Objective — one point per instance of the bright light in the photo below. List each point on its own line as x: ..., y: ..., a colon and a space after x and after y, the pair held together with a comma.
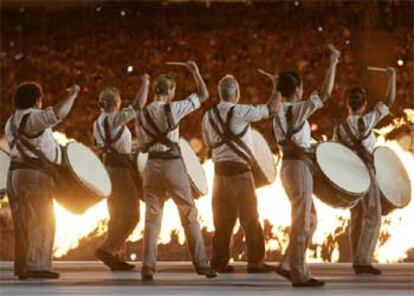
x: 130, y: 69
x: 123, y: 13
x: 98, y: 8
x: 133, y: 257
x: 320, y: 29
x: 400, y: 62
x: 297, y: 3
x: 347, y: 42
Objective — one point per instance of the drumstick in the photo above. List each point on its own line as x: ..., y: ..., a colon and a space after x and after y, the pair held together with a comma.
x: 267, y: 74
x: 176, y: 64
x: 376, y: 69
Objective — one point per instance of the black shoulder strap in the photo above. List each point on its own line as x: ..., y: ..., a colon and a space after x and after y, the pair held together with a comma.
x: 170, y: 120
x: 22, y: 128
x: 290, y: 130
x: 233, y: 141
x: 362, y: 133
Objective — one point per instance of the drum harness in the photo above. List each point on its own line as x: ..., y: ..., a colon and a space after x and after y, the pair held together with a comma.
x: 357, y: 145
x: 113, y: 158
x: 160, y: 137
x: 234, y: 142
x: 292, y: 151
x: 20, y: 141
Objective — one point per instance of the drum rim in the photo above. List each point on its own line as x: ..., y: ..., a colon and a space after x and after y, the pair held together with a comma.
x: 69, y: 168
x: 273, y: 179
x: 8, y: 154
x: 332, y: 183
x: 188, y: 175
x: 382, y: 193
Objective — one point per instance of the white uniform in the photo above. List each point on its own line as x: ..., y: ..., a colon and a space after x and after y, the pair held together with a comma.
x: 38, y: 121
x: 301, y: 111
x: 297, y: 180
x: 123, y: 204
x: 234, y: 191
x: 179, y: 109
x: 117, y: 121
x: 243, y: 115
x: 370, y: 120
x: 366, y: 215
x: 168, y: 176
x: 30, y: 191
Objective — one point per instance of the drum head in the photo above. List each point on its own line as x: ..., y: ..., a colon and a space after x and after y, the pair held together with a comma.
x: 392, y: 177
x: 343, y: 168
x: 141, y: 162
x: 88, y: 169
x: 264, y: 156
x: 194, y: 169
x: 4, y: 169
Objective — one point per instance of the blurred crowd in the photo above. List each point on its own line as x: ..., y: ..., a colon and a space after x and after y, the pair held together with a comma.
x: 106, y: 44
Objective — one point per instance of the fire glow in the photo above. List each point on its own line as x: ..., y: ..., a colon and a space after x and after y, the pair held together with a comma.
x: 273, y: 206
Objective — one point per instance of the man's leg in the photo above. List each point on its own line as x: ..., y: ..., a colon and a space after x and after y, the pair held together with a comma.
x: 246, y: 201
x: 154, y: 194
x: 370, y: 229
x: 179, y: 187
x: 298, y: 183
x: 224, y: 217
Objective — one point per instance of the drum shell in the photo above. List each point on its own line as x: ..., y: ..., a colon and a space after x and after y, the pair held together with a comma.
x: 330, y: 194
x: 386, y: 206
x: 71, y: 193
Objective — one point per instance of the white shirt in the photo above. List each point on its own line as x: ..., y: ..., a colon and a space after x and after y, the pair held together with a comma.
x: 179, y: 109
x: 243, y: 115
x: 38, y: 121
x: 370, y: 119
x: 116, y: 121
x: 301, y: 111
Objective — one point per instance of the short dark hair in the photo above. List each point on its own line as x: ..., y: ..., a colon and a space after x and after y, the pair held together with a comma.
x: 356, y: 97
x: 27, y: 95
x: 163, y: 84
x: 288, y: 82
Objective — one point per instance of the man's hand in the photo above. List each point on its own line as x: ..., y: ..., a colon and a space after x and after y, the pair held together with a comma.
x: 74, y: 90
x: 192, y: 67
x: 390, y: 71
x: 335, y: 54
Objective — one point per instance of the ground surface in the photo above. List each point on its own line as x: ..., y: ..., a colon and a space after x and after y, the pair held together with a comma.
x: 92, y: 278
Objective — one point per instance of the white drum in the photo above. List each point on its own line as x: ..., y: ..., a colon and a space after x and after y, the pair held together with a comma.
x: 192, y: 165
x: 4, y: 169
x: 81, y: 180
x: 341, y: 178
x: 393, y: 180
x: 265, y: 168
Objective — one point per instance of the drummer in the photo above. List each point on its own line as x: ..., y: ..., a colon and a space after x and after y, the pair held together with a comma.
x: 158, y: 134
x: 30, y: 188
x: 226, y: 130
x: 293, y: 134
x: 356, y: 132
x: 113, y: 137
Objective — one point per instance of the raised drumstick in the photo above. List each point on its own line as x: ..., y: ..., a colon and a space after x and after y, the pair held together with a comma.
x: 376, y: 69
x: 267, y: 74
x: 176, y: 64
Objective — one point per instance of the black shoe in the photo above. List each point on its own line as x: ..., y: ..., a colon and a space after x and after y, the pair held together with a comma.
x: 284, y: 273
x: 368, y: 269
x: 263, y: 268
x: 147, y: 274
x: 39, y: 275
x: 207, y: 271
x: 107, y: 258
x: 225, y: 269
x: 310, y: 283
x: 123, y: 266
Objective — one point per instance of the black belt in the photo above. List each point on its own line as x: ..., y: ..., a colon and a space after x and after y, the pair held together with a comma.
x: 163, y: 155
x: 230, y: 168
x: 117, y: 160
x: 28, y: 163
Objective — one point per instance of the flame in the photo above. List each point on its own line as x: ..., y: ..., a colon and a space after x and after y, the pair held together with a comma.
x: 273, y: 205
